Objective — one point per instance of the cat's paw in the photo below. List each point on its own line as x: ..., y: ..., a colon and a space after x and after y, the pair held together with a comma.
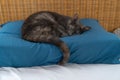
x: 86, y: 28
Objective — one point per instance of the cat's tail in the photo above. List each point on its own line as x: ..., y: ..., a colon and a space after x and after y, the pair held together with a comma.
x: 56, y: 41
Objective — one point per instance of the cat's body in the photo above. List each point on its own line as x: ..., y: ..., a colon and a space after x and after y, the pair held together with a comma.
x: 48, y: 27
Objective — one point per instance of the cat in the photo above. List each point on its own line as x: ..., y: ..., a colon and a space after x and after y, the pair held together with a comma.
x: 49, y: 27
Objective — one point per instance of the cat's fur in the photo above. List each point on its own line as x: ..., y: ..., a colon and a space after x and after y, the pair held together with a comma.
x: 48, y: 27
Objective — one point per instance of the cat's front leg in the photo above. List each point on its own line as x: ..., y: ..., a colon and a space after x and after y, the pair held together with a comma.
x: 63, y: 34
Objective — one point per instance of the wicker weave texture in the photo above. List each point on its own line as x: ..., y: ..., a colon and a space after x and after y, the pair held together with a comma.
x: 106, y: 11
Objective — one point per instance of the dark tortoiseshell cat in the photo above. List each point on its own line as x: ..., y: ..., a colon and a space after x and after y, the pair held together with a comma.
x: 48, y: 27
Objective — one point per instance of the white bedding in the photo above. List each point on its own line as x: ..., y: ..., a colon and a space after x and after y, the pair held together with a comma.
x: 67, y: 72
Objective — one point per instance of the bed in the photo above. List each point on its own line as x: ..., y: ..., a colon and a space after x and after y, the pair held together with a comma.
x: 103, y: 64
x: 95, y: 69
x: 67, y: 72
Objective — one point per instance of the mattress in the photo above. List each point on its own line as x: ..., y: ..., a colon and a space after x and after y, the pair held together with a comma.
x: 67, y: 72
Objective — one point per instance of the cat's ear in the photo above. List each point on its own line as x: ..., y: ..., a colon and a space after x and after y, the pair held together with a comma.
x: 75, y: 17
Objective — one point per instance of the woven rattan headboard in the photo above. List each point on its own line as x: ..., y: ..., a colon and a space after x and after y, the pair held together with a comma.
x: 106, y: 11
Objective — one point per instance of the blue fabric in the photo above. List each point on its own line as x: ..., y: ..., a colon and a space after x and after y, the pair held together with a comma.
x: 94, y: 46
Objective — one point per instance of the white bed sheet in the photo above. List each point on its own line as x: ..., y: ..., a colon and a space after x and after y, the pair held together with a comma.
x: 67, y: 72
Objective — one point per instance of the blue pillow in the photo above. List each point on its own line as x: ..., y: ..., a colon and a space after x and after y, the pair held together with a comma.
x: 12, y: 28
x: 94, y: 46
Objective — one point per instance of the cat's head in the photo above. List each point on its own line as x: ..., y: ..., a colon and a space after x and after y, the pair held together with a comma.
x: 74, y: 26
